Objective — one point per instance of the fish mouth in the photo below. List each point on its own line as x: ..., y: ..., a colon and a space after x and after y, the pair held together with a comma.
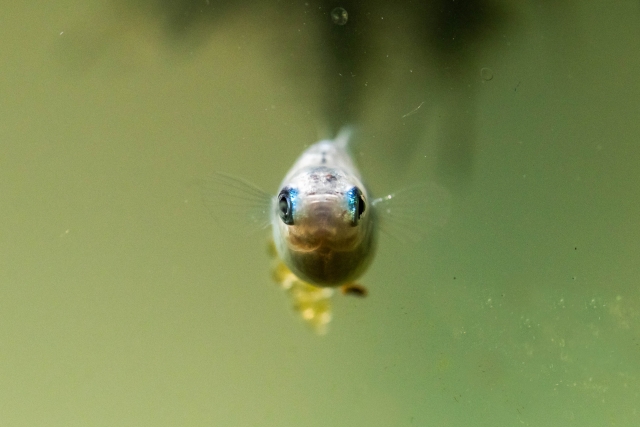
x: 321, y: 239
x: 323, y: 227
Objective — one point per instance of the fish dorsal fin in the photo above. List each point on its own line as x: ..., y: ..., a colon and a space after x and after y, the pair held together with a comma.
x: 344, y: 137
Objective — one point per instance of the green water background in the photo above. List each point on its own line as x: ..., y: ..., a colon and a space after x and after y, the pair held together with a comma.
x: 123, y: 304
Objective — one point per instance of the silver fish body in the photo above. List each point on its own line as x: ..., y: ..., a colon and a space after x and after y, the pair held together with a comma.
x: 323, y: 221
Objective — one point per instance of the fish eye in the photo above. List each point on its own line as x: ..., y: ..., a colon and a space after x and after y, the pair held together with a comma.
x: 285, y: 206
x: 361, y: 206
x: 357, y: 205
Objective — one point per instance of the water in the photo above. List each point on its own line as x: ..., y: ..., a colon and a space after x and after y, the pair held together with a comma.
x: 123, y: 303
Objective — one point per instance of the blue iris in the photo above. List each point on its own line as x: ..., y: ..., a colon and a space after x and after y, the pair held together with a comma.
x: 293, y: 198
x: 353, y: 201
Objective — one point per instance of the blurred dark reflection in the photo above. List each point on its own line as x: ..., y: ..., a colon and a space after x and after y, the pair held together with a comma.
x: 457, y: 32
x: 449, y: 35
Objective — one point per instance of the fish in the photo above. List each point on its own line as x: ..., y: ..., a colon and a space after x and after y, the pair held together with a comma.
x: 324, y: 223
x: 324, y: 227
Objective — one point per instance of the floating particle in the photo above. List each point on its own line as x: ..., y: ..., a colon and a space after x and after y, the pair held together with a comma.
x: 339, y: 16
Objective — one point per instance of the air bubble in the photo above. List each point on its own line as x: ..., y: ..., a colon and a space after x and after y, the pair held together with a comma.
x: 486, y: 74
x: 339, y: 16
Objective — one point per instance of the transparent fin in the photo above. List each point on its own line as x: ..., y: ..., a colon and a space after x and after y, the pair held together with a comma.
x: 411, y: 214
x: 344, y: 137
x: 312, y: 303
x: 236, y: 203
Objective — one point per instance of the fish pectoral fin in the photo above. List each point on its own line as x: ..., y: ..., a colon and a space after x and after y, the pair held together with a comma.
x: 354, y: 289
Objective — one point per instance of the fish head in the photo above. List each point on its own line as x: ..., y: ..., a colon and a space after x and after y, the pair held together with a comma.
x: 323, y: 225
